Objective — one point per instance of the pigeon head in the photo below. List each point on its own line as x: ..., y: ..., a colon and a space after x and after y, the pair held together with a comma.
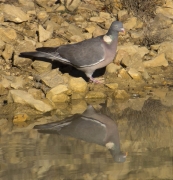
x: 115, y: 28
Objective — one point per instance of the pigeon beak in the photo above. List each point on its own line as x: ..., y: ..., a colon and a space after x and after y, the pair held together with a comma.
x: 123, y: 31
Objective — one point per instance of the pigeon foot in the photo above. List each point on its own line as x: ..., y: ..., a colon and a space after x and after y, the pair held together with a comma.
x: 97, y: 80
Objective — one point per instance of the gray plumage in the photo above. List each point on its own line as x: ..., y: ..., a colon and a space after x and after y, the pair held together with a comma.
x: 91, y: 127
x: 87, y: 55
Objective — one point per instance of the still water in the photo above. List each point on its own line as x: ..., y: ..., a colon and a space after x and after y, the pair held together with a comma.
x: 121, y: 140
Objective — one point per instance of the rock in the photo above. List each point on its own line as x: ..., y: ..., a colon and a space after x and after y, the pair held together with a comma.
x: 56, y: 90
x: 155, y: 47
x: 2, y: 45
x: 24, y: 46
x: 105, y: 15
x: 52, y: 78
x: 74, y: 30
x: 53, y: 42
x: 76, y: 38
x: 5, y: 83
x: 78, y: 85
x: 3, y: 90
x: 78, y: 107
x: 119, y: 56
x: 42, y: 15
x: 8, y: 52
x: 78, y: 18
x: 8, y: 35
x: 95, y: 95
x: 158, y: 61
x: 123, y: 15
x: 98, y: 31
x: 61, y: 8
x: 60, y: 98
x: 130, y: 23
x: 36, y: 93
x: 43, y: 34
x: 137, y: 34
x: 21, y: 62
x: 123, y: 74
x: 20, y: 118
x: 72, y: 5
x: 97, y: 19
x: 14, y: 14
x: 23, y: 97
x: 135, y: 74
x: 112, y: 68
x: 168, y: 12
x: 41, y: 66
x: 112, y: 85
x: 17, y: 82
x: 121, y: 94
x: 167, y: 48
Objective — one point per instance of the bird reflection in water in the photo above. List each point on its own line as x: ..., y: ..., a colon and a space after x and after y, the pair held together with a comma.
x: 90, y: 126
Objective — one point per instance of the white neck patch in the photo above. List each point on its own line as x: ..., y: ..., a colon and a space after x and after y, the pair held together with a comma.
x: 110, y: 145
x: 107, y: 39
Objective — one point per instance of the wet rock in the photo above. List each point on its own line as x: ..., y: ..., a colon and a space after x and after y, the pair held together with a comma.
x: 158, y: 61
x: 21, y: 62
x: 135, y: 74
x: 52, y: 78
x: 130, y: 23
x: 78, y: 85
x: 8, y: 35
x: 23, y: 97
x: 95, y: 95
x: 41, y: 66
x: 112, y: 85
x: 78, y: 107
x: 8, y: 52
x: 43, y: 34
x: 36, y: 93
x: 72, y: 5
x: 56, y: 90
x: 123, y: 74
x: 20, y: 118
x: 14, y: 14
x: 167, y: 48
x: 121, y: 94
x: 112, y: 68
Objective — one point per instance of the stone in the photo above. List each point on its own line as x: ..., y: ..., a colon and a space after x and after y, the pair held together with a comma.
x: 3, y: 90
x: 17, y: 82
x: 52, y: 78
x: 60, y: 98
x: 56, y: 90
x: 21, y: 62
x: 61, y: 8
x: 135, y: 74
x: 14, y: 14
x: 123, y: 15
x: 78, y: 18
x: 24, y: 46
x: 43, y: 34
x: 8, y: 35
x: 95, y: 95
x: 42, y: 15
x: 121, y: 94
x: 78, y: 85
x: 112, y: 86
x: 98, y: 31
x: 41, y: 66
x: 72, y: 5
x: 97, y: 19
x: 123, y: 74
x: 74, y: 30
x: 160, y: 60
x: 23, y: 97
x: 130, y: 23
x: 5, y: 83
x: 36, y: 93
x: 104, y: 15
x: 8, y: 52
x: 168, y: 12
x: 20, y: 118
x: 137, y: 34
x: 167, y: 48
x: 76, y: 38
x: 112, y: 68
x: 78, y: 107
x: 53, y: 42
x: 120, y: 55
x: 2, y: 45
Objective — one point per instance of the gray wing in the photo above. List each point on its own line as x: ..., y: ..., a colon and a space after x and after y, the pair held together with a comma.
x: 85, y: 53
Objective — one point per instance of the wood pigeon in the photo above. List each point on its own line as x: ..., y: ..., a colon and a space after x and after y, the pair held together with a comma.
x: 88, y: 55
x: 92, y: 127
